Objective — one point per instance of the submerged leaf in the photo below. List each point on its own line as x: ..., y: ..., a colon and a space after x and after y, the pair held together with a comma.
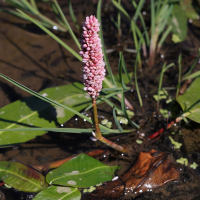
x: 82, y: 171
x: 58, y: 192
x: 21, y: 177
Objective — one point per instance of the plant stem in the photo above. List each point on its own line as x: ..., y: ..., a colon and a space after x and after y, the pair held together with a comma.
x: 98, y: 134
x: 152, y: 49
x: 178, y: 119
x: 58, y: 163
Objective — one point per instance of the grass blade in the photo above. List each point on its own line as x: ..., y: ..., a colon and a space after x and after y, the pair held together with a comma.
x: 34, y: 4
x: 120, y: 70
x: 143, y: 24
x: 138, y: 9
x: 194, y: 75
x: 152, y: 17
x: 179, y: 75
x: 116, y: 121
x: 119, y: 21
x: 125, y: 70
x: 121, y: 8
x: 73, y: 16
x: 67, y: 24
x: 161, y: 78
x: 102, y: 99
x: 103, y: 45
x: 44, y: 98
x: 192, y: 67
x: 124, y: 110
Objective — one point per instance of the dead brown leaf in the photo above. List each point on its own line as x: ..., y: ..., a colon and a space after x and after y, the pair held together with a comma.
x: 151, y: 170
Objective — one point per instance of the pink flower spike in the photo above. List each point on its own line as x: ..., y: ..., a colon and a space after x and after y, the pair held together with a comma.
x: 94, y: 72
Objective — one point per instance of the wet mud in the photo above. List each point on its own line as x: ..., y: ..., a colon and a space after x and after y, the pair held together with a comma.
x: 35, y: 60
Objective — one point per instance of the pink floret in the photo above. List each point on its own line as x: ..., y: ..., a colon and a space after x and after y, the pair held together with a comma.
x: 91, y: 52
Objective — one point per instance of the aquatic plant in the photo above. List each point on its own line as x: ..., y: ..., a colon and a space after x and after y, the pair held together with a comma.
x: 71, y: 175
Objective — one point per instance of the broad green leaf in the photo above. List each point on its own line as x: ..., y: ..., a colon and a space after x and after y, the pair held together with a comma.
x: 82, y: 171
x: 178, y: 21
x: 189, y: 10
x: 59, y: 193
x: 21, y: 177
x: 190, y: 101
x: 33, y: 112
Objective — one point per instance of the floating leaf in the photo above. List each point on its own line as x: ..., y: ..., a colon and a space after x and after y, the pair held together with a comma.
x: 34, y: 112
x: 21, y: 177
x: 178, y: 21
x: 82, y: 171
x: 57, y: 192
x: 190, y: 101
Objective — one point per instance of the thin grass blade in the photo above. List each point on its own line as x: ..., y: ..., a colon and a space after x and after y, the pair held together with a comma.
x: 125, y: 69
x: 116, y: 121
x: 73, y: 16
x: 103, y: 45
x: 179, y: 75
x: 124, y: 110
x: 67, y: 24
x: 192, y: 67
x: 121, y: 8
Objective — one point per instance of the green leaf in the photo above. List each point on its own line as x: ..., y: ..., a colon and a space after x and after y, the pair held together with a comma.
x: 117, y: 79
x: 178, y: 21
x: 21, y: 177
x: 189, y: 10
x: 58, y: 192
x: 103, y: 44
x: 33, y: 112
x: 82, y: 171
x: 190, y: 101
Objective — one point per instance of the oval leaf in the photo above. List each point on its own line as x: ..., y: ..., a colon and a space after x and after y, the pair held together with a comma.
x: 82, y: 171
x: 189, y: 101
x: 57, y: 192
x: 34, y: 112
x: 178, y: 21
x: 189, y: 10
x: 21, y: 177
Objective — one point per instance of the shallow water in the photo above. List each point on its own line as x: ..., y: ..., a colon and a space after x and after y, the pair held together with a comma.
x: 37, y: 61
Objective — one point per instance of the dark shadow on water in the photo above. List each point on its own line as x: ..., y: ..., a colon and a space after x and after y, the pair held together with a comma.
x: 9, y: 92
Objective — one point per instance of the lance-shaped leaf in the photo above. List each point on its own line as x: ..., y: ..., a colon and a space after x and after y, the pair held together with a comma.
x: 33, y: 112
x: 82, y: 171
x: 21, y: 177
x: 57, y: 192
x: 190, y: 101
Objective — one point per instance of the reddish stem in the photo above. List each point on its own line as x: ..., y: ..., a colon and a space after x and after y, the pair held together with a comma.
x: 98, y: 134
x: 157, y: 133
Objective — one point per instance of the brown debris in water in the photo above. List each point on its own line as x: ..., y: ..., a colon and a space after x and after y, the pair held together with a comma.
x: 151, y: 170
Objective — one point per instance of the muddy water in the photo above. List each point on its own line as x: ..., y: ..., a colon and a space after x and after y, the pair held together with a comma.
x: 32, y: 58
